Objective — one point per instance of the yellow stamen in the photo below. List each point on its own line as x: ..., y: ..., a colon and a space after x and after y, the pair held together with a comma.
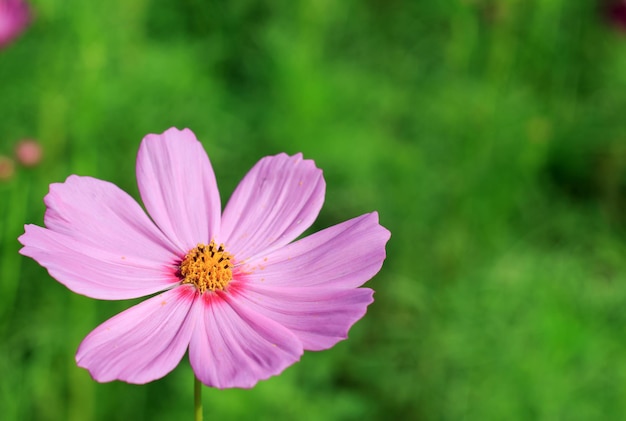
x: 207, y: 267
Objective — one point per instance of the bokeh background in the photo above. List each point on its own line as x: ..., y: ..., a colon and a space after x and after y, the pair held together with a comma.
x: 490, y: 136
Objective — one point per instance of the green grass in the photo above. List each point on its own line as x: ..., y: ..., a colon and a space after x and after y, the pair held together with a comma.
x: 489, y: 135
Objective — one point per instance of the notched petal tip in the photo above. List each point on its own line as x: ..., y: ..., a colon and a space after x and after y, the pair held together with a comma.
x: 376, y: 219
x: 24, y: 240
x: 384, y: 233
x: 171, y: 134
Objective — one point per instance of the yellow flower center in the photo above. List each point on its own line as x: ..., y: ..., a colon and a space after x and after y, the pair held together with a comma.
x: 207, y: 267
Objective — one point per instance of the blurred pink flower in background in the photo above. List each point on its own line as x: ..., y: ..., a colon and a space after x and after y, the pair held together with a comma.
x: 616, y: 11
x: 7, y: 168
x: 234, y: 288
x: 28, y: 152
x: 14, y: 18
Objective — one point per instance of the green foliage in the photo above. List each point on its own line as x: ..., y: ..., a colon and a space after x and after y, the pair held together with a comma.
x: 489, y: 135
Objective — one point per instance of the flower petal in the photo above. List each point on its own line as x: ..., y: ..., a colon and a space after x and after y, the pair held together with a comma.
x: 143, y: 343
x: 342, y: 256
x: 101, y: 214
x: 99, y: 242
x: 15, y: 15
x: 275, y: 202
x: 94, y: 272
x: 319, y: 317
x: 178, y: 187
x: 233, y: 347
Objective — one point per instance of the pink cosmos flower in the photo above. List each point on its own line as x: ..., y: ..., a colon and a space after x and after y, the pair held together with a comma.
x: 233, y: 288
x: 616, y: 13
x: 14, y: 17
x: 7, y: 168
x: 28, y: 152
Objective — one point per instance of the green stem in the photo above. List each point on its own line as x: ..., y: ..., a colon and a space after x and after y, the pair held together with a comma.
x: 197, y: 399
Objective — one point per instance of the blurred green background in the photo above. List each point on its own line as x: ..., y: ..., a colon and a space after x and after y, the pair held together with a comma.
x: 490, y: 136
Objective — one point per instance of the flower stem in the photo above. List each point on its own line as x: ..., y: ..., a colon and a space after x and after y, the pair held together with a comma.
x: 197, y: 399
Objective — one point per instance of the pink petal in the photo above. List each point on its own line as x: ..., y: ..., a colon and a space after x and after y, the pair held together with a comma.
x: 101, y: 214
x: 94, y: 272
x: 14, y: 17
x: 342, y: 256
x: 275, y: 202
x: 234, y: 347
x: 178, y: 187
x: 319, y: 317
x: 143, y: 343
x: 99, y: 242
